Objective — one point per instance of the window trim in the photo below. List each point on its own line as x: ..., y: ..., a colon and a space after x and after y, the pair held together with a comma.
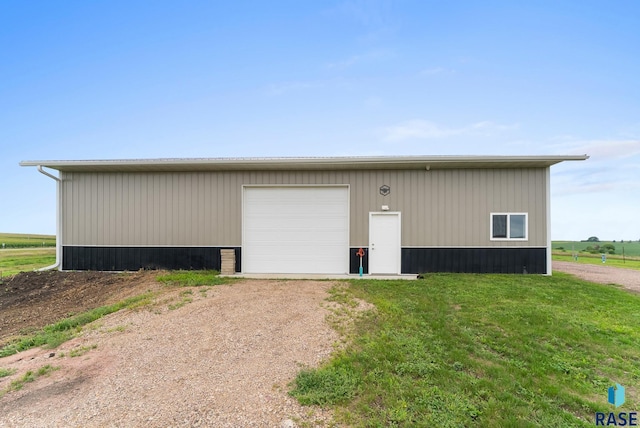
x: 508, y: 238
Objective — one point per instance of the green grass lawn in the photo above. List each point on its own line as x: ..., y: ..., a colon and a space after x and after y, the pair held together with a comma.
x: 13, y: 261
x: 20, y: 240
x: 193, y: 278
x: 482, y: 350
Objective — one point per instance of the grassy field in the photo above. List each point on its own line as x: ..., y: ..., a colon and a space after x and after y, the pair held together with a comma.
x: 595, y: 259
x: 25, y: 252
x: 13, y: 261
x: 631, y: 248
x: 18, y: 240
x: 482, y: 350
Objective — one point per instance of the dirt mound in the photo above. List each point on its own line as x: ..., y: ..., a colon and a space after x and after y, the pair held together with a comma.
x: 211, y: 356
x: 31, y: 300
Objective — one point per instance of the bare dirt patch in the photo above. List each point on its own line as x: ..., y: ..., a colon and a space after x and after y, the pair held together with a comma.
x: 628, y: 278
x: 31, y: 300
x: 224, y: 357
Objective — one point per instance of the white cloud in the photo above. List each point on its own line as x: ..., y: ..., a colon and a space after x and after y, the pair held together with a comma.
x: 600, y: 150
x: 365, y: 12
x: 424, y: 129
x: 490, y: 127
x: 572, y: 189
x: 611, y: 169
x: 631, y: 130
x: 417, y: 128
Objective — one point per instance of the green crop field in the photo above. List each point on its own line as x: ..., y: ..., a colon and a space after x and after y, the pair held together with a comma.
x: 25, y: 252
x: 21, y: 240
x: 631, y: 248
x: 17, y: 260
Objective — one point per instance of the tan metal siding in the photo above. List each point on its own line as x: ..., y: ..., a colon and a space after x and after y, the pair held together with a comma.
x: 439, y: 208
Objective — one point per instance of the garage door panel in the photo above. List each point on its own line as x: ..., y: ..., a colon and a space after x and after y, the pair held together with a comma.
x: 292, y: 223
x: 296, y: 230
x: 300, y: 210
x: 294, y: 236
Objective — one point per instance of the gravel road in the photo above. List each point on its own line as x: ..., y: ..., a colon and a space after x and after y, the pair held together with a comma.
x: 224, y: 359
x: 603, y: 274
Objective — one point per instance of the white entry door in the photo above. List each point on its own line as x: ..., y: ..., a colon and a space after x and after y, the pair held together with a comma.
x: 384, y: 243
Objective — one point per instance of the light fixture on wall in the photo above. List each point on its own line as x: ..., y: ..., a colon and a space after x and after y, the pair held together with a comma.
x: 385, y: 208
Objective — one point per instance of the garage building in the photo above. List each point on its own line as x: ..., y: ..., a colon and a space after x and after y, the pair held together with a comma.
x: 412, y: 214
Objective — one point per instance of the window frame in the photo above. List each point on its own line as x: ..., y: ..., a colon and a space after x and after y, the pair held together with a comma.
x: 508, y: 238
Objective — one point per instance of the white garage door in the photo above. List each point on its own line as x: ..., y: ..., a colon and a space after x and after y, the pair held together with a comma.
x: 295, y: 230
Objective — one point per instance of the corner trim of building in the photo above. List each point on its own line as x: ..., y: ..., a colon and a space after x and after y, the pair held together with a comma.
x: 548, y: 222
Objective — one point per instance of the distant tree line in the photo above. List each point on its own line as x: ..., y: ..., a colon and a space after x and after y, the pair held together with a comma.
x: 601, y: 249
x: 596, y: 239
x: 598, y: 247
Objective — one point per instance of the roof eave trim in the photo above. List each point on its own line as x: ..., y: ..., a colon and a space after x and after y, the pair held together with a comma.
x: 356, y: 162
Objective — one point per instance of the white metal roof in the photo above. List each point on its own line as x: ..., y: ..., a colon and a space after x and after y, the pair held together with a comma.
x: 302, y: 163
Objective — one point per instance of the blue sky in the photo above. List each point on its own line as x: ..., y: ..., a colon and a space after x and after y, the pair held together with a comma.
x: 150, y: 79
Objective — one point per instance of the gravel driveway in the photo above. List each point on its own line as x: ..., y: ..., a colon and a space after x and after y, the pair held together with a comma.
x: 628, y: 278
x: 222, y: 360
